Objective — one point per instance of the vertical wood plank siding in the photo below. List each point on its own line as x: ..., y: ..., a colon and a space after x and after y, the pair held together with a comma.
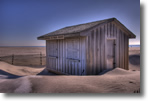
x: 106, y: 30
x: 61, y: 62
x: 127, y: 53
x: 97, y: 48
x: 94, y: 71
x: 90, y: 52
x: 118, y: 48
x: 125, y: 59
x: 97, y: 51
x: 101, y: 49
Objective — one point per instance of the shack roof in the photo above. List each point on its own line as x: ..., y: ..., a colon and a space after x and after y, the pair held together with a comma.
x: 82, y: 27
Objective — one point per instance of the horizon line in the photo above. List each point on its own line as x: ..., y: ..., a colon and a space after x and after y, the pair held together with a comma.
x: 22, y: 46
x: 42, y: 46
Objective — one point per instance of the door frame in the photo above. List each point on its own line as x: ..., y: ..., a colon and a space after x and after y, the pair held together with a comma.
x: 115, y: 40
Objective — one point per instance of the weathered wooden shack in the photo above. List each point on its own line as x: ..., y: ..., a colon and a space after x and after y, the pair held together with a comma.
x: 88, y: 49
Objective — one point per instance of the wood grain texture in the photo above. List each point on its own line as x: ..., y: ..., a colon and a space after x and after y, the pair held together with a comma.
x: 118, y: 48
x: 87, y: 55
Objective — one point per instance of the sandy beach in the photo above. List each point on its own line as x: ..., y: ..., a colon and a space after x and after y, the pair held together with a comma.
x: 28, y: 79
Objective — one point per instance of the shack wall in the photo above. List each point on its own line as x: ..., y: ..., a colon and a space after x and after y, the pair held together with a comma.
x: 96, y: 47
x: 66, y: 56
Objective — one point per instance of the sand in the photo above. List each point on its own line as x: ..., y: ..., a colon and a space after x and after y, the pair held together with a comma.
x: 116, y: 81
x: 25, y: 79
x: 24, y: 56
x: 134, y: 58
x: 6, y: 51
x: 19, y: 70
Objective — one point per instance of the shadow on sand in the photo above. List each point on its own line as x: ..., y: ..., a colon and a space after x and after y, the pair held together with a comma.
x: 45, y: 72
x: 7, y: 75
x: 105, y: 71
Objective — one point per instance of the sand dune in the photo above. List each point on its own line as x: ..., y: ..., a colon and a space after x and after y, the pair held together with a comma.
x: 107, y: 83
x: 19, y: 70
x: 115, y: 81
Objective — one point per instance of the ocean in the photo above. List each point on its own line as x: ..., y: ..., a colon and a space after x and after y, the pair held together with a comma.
x: 134, y: 45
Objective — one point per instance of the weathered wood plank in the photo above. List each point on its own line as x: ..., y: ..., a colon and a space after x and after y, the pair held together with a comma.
x: 108, y: 30
x: 72, y: 68
x: 84, y: 56
x: 83, y: 53
x: 66, y: 56
x: 80, y: 53
x: 116, y: 47
x: 111, y: 29
x: 47, y: 63
x: 87, y: 55
x: 94, y: 55
x: 92, y: 51
x: 64, y: 67
x: 99, y: 50
x: 115, y: 31
x: 102, y: 48
x: 75, y: 68
x: 120, y: 49
x: 114, y: 35
x: 123, y: 49
x: 78, y: 69
x: 69, y: 67
x: 60, y: 55
x: 105, y: 45
x: 90, y: 55
x: 127, y: 53
x: 71, y: 64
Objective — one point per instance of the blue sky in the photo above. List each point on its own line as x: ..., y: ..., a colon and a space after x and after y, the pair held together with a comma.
x: 22, y: 21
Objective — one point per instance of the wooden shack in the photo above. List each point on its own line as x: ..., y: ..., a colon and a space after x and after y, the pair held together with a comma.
x: 88, y: 49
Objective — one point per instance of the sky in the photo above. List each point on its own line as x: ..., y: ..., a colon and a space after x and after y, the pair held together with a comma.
x: 22, y: 21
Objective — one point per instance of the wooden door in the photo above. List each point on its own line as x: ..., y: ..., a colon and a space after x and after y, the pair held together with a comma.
x: 53, y: 54
x: 73, y: 56
x: 110, y: 54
